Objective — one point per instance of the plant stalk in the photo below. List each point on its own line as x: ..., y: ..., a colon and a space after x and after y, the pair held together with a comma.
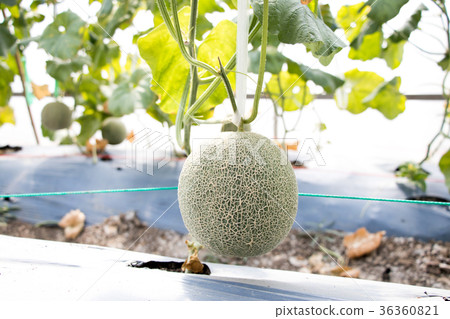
x: 22, y: 79
x: 180, y: 113
x: 262, y: 62
x: 215, y: 83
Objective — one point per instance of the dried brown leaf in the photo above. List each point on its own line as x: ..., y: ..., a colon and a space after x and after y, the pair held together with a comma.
x: 40, y: 91
x: 100, y: 146
x: 73, y: 223
x: 130, y: 137
x: 361, y: 242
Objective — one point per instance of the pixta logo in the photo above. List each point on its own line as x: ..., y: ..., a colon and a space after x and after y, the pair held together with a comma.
x: 148, y: 151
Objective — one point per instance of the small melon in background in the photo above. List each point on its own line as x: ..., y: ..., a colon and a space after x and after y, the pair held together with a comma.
x: 238, y: 194
x: 56, y: 116
x: 114, y: 130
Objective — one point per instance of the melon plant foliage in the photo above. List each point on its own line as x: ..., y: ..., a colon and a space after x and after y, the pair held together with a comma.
x: 108, y: 82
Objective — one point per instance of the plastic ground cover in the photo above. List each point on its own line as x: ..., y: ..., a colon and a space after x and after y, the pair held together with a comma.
x: 55, y: 170
x: 43, y: 270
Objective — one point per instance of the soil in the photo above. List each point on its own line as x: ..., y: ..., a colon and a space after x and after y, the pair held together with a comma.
x: 397, y: 259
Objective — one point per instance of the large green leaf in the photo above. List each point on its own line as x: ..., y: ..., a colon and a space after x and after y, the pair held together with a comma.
x: 274, y: 60
x: 326, y: 80
x: 405, y: 31
x: 170, y: 70
x: 289, y: 90
x: 393, y: 53
x: 7, y: 40
x: 296, y: 23
x: 62, y: 38
x: 123, y: 99
x: 148, y: 101
x: 444, y: 165
x: 9, y: 2
x: 6, y: 115
x: 6, y: 77
x: 387, y: 99
x: 360, y: 84
x: 90, y: 123
x: 382, y: 11
x: 62, y: 69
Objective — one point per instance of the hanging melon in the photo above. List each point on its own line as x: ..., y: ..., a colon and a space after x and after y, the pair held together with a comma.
x: 238, y: 194
x: 114, y: 130
x: 56, y: 116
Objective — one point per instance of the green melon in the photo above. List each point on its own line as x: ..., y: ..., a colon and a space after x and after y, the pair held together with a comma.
x: 114, y: 130
x: 56, y: 116
x: 238, y: 194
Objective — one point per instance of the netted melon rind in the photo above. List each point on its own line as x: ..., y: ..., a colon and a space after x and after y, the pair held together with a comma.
x: 114, y: 131
x: 243, y: 207
x: 56, y: 116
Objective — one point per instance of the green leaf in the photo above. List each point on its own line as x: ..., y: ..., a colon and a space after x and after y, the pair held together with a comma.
x: 62, y: 69
x: 360, y: 84
x: 208, y: 6
x: 327, y: 16
x: 6, y: 77
x: 289, y: 90
x: 387, y: 99
x: 104, y: 53
x: 90, y: 124
x: 123, y: 100
x: 326, y: 80
x: 382, y: 11
x: 393, y: 53
x: 66, y: 140
x: 105, y: 9
x: 444, y: 165
x: 7, y: 40
x: 6, y: 115
x: 271, y: 40
x: 295, y: 23
x: 232, y: 4
x: 91, y: 94
x: 351, y: 19
x: 203, y: 25
x: 62, y: 38
x: 414, y: 173
x: 48, y: 133
x: 9, y: 3
x: 410, y: 25
x: 369, y: 48
x: 274, y: 60
x: 148, y: 101
x: 445, y: 62
x: 139, y: 75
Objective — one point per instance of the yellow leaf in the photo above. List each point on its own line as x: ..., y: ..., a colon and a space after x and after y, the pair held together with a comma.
x: 6, y: 115
x: 40, y: 91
